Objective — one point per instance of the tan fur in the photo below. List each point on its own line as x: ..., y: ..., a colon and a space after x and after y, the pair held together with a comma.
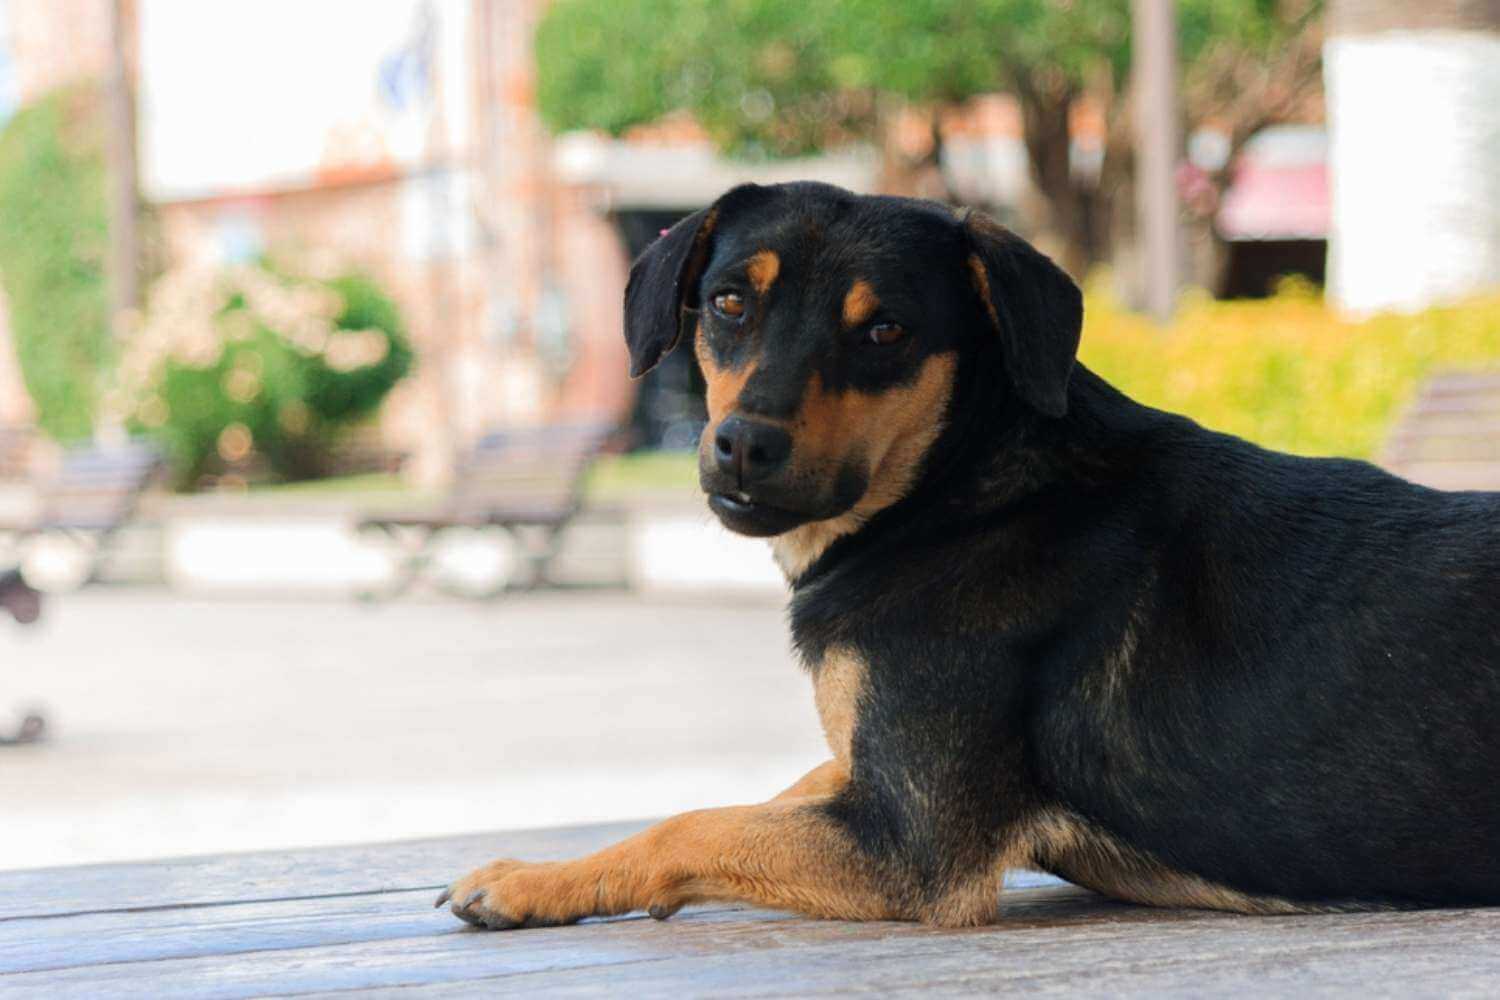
x: 786, y: 854
x: 839, y: 687
x: 1061, y: 842
x: 892, y: 429
x: 763, y: 269
x: 825, y: 779
x: 981, y: 278
x: 859, y: 304
x: 724, y: 385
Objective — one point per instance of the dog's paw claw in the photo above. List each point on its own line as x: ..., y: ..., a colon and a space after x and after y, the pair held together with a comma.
x: 663, y: 911
x: 443, y: 897
x: 490, y: 897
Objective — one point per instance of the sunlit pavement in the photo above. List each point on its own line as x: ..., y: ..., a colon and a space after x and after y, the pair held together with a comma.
x: 184, y: 727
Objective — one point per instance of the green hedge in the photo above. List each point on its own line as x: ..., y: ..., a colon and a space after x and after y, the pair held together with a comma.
x: 253, y: 365
x: 1288, y: 372
x: 53, y: 241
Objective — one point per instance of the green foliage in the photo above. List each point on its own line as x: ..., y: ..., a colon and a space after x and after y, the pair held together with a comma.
x: 273, y: 372
x: 786, y: 77
x: 762, y: 76
x: 1287, y: 372
x: 53, y: 243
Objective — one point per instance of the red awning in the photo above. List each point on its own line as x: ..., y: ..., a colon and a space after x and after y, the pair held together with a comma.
x: 1280, y: 188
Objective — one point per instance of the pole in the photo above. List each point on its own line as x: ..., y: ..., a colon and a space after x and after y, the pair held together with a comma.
x: 1158, y: 141
x: 442, y: 255
x: 122, y: 265
x: 124, y: 234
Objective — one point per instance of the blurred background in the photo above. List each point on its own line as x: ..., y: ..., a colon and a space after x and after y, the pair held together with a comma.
x: 327, y: 510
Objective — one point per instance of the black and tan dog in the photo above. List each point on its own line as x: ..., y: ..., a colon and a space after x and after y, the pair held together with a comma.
x: 1047, y: 626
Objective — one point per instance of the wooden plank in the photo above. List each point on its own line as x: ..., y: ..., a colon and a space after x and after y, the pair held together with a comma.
x: 334, y: 919
x: 415, y: 864
x: 48, y: 943
x: 1192, y: 962
x: 444, y: 951
x: 1055, y: 939
x: 217, y: 928
x: 1085, y: 953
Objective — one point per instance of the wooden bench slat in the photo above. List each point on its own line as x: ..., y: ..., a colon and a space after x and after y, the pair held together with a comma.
x: 283, y: 874
x: 1060, y: 939
x: 31, y: 945
x: 335, y: 919
x: 1449, y: 437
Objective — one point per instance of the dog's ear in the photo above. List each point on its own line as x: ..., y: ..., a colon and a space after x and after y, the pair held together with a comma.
x: 660, y: 280
x: 1036, y: 309
x: 664, y: 279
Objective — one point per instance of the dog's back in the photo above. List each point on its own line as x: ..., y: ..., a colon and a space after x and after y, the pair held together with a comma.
x: 1307, y: 707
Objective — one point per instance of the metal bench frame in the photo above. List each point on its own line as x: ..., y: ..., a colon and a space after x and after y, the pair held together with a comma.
x: 95, y: 492
x: 536, y: 529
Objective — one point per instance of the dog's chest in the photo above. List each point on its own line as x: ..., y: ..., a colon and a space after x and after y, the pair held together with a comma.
x: 840, y: 682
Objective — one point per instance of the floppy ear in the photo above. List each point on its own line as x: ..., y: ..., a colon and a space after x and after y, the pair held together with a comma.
x: 1036, y: 310
x: 665, y: 276
x: 660, y: 280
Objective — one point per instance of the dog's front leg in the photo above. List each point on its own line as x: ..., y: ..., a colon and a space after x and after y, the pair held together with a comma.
x: 789, y: 854
x: 825, y: 779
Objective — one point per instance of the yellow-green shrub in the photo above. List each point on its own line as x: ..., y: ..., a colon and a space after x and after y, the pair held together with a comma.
x: 1287, y: 372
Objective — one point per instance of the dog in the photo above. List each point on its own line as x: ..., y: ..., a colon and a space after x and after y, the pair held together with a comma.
x: 1047, y: 626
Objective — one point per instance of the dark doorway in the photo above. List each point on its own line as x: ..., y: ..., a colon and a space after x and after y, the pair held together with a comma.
x: 669, y: 409
x: 1256, y: 265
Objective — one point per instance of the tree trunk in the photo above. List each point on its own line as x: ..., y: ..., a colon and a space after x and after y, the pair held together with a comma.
x: 1078, y: 211
x: 910, y: 141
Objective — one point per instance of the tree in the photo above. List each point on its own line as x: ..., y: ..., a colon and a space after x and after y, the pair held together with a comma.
x: 778, y: 77
x: 53, y: 241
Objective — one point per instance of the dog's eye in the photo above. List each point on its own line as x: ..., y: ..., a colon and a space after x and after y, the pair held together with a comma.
x: 886, y: 333
x: 729, y: 304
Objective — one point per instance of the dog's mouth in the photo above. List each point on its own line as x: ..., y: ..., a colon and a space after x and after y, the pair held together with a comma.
x: 743, y: 514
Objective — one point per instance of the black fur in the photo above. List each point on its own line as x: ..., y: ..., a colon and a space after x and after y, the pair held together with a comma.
x: 1279, y: 674
x: 664, y: 279
x: 1038, y: 309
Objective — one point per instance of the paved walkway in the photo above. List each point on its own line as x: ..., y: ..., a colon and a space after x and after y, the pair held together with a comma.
x: 190, y: 727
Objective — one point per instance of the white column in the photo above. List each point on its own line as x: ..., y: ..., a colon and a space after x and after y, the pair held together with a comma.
x: 1414, y: 166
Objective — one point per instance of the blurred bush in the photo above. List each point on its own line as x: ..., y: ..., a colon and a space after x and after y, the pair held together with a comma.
x: 1286, y: 372
x: 247, y: 365
x: 53, y: 242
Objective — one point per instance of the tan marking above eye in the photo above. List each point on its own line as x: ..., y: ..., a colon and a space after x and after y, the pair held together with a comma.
x: 859, y: 304
x: 730, y: 304
x: 763, y: 269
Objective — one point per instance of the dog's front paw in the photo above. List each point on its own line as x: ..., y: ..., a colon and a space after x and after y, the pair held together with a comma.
x: 507, y: 894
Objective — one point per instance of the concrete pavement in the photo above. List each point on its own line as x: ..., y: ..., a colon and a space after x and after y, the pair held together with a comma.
x: 186, y: 727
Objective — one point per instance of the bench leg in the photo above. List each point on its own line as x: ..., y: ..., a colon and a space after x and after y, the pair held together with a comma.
x: 412, y: 560
x: 539, y: 558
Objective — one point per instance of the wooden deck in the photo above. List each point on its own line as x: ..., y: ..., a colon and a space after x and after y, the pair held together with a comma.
x: 337, y: 919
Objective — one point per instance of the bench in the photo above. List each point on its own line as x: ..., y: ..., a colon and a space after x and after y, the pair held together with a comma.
x: 95, y: 491
x: 1449, y: 438
x: 325, y: 920
x: 528, y: 483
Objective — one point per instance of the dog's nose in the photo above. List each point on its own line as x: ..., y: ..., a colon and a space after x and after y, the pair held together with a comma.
x: 750, y: 450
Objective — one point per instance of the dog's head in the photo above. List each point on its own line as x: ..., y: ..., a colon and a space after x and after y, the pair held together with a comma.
x: 831, y: 328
